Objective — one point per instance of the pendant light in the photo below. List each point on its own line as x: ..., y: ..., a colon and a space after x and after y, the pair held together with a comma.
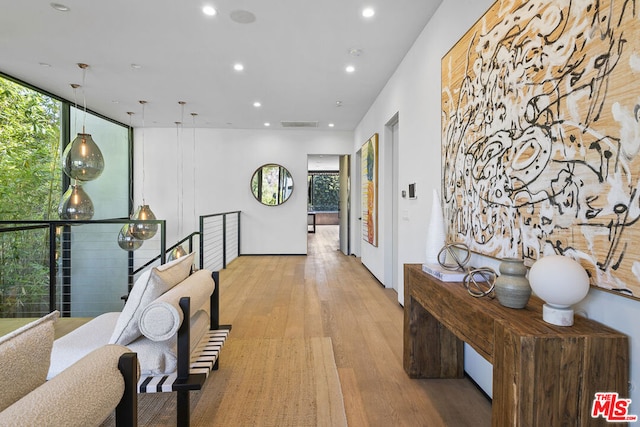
x: 82, y: 160
x: 179, y: 251
x: 75, y: 204
x: 144, y: 231
x: 144, y: 212
x: 176, y: 253
x: 126, y: 239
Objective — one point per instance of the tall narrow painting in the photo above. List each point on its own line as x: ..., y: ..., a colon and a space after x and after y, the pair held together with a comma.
x: 541, y: 135
x: 369, y: 155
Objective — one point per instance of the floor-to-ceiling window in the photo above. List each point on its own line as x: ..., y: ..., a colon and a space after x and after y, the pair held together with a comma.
x: 29, y: 189
x: 35, y: 127
x: 94, y: 246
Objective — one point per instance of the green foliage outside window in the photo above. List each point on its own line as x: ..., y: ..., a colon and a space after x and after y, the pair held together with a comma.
x: 30, y: 189
x: 29, y: 153
x: 324, y: 192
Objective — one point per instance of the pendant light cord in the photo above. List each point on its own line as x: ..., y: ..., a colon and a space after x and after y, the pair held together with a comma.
x: 84, y: 97
x: 75, y: 105
x: 143, y: 172
x: 178, y: 180
x: 83, y: 67
x: 181, y: 173
x: 131, y: 202
x: 193, y: 197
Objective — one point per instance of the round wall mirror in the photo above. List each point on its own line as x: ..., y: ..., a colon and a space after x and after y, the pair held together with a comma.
x: 272, y: 184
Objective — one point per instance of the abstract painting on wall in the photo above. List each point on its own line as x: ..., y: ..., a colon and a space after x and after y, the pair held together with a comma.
x: 369, y: 155
x: 541, y: 135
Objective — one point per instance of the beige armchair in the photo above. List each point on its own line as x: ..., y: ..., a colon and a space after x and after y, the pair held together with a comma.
x: 84, y: 394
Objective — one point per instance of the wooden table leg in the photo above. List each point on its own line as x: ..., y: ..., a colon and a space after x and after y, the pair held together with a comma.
x: 430, y: 350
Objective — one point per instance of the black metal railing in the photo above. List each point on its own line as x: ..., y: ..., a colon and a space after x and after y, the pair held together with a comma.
x: 76, y: 267
x: 161, y: 258
x: 219, y: 239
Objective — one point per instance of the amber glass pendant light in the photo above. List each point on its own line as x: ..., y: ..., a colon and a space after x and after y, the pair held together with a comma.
x: 143, y: 212
x: 126, y: 239
x: 75, y: 204
x: 82, y: 160
x: 144, y: 231
x: 179, y: 251
x: 176, y: 253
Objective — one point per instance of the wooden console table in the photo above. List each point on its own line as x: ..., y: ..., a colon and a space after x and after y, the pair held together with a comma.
x: 543, y: 375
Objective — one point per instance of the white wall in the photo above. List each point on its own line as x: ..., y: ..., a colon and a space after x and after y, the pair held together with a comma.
x: 414, y: 93
x: 225, y: 161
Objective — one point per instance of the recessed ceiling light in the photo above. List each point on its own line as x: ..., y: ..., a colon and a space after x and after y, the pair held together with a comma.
x: 209, y: 10
x: 331, y: 125
x: 350, y: 69
x: 257, y: 104
x: 238, y: 67
x: 267, y: 124
x: 60, y: 7
x: 368, y: 12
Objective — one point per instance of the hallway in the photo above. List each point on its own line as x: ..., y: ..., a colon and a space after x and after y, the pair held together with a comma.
x: 328, y: 294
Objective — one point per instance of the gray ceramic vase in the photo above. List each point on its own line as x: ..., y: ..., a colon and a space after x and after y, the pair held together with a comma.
x: 512, y: 286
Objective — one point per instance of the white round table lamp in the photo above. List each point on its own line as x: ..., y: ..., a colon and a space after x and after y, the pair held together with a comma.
x: 561, y: 282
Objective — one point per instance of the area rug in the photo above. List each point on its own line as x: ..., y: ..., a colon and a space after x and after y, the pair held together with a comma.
x: 261, y: 382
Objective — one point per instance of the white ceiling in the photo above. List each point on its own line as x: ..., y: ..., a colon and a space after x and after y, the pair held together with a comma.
x: 294, y: 54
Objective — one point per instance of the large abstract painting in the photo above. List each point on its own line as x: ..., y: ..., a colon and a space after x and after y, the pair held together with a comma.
x: 541, y: 135
x: 369, y: 155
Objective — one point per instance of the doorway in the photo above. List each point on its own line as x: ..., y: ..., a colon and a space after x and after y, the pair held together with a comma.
x: 328, y: 203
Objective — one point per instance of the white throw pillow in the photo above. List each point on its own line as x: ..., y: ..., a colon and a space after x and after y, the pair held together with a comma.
x: 161, y: 318
x: 149, y: 286
x: 24, y: 358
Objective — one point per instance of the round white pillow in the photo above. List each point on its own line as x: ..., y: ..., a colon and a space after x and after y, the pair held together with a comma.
x: 160, y: 320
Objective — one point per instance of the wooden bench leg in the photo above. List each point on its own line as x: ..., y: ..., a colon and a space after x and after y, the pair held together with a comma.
x: 183, y: 410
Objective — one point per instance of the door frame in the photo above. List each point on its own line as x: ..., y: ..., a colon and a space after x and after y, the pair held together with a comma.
x: 391, y: 145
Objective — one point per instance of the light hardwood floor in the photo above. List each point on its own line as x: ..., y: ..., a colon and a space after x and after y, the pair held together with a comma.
x: 328, y: 294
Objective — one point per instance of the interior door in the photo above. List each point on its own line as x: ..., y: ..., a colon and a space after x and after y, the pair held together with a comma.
x: 344, y: 213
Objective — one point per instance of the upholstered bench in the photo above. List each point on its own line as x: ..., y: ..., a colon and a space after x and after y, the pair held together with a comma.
x: 171, y: 320
x: 82, y: 395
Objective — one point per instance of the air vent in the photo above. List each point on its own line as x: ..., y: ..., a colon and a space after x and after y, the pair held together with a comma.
x: 290, y: 124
